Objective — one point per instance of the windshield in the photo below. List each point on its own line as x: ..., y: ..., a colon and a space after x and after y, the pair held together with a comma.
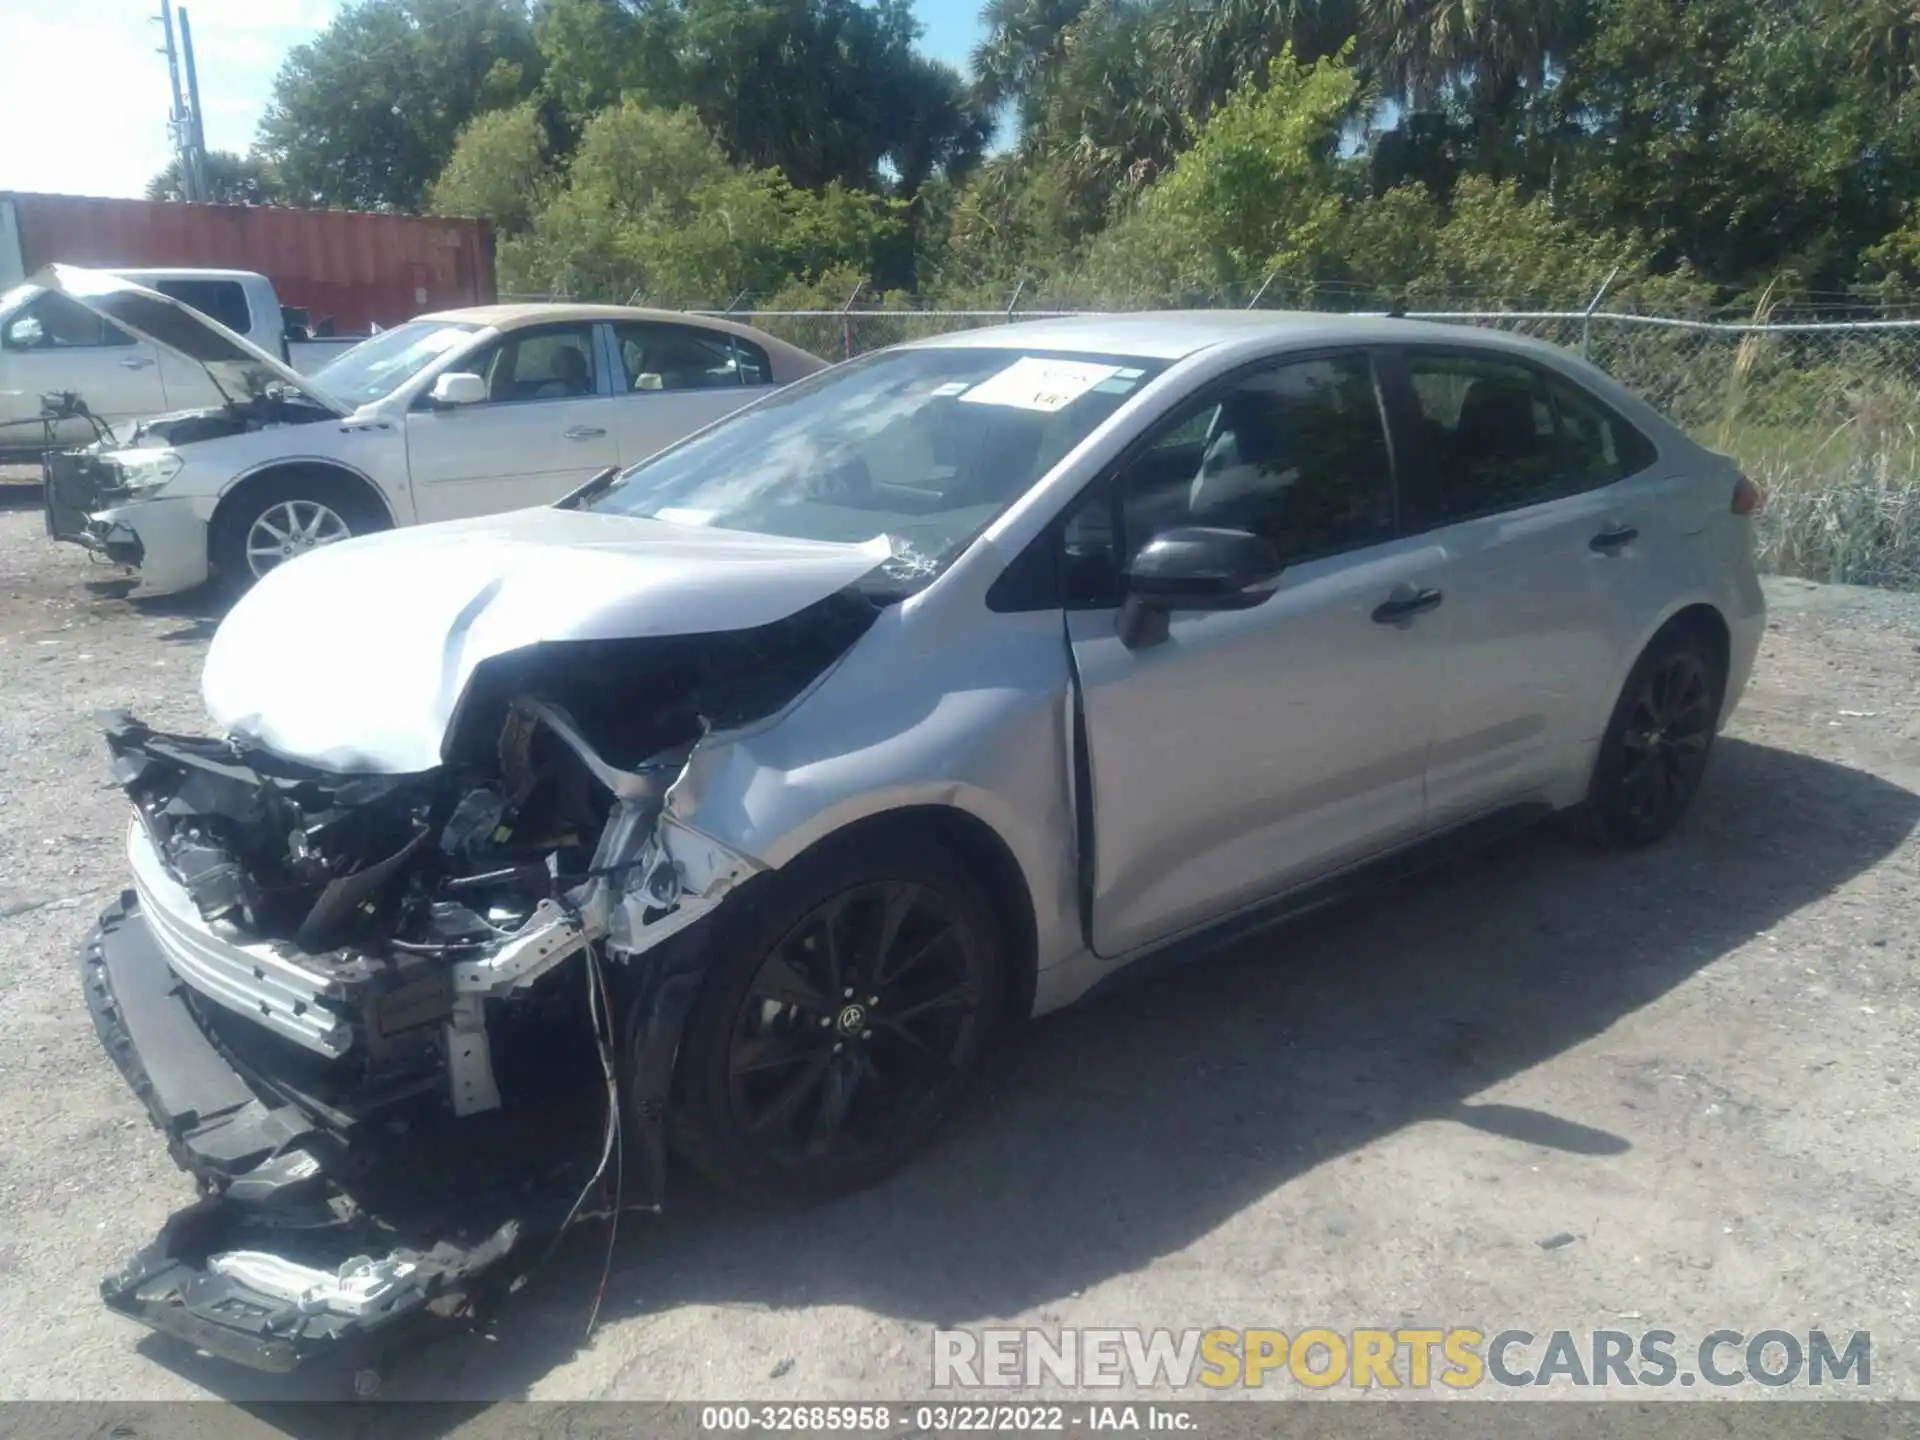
x: 924, y: 447
x: 378, y: 366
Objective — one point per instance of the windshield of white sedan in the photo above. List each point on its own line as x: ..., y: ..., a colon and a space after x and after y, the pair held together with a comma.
x: 925, y: 447
x: 377, y: 367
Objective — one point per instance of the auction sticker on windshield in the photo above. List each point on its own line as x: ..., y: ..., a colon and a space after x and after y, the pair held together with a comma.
x: 1031, y: 383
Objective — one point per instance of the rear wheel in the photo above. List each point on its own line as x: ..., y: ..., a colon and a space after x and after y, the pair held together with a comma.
x: 846, y: 1011
x: 286, y: 516
x: 1655, y: 749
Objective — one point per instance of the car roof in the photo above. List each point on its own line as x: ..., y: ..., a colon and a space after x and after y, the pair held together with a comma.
x: 139, y: 273
x: 1176, y: 334
x: 547, y: 312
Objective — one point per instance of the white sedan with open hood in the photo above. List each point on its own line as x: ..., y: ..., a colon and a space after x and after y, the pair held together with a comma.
x: 452, y: 415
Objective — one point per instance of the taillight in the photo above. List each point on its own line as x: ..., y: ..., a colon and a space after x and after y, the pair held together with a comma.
x: 1747, y: 498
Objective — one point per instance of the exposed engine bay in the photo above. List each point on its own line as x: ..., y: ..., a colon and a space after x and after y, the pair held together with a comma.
x: 403, y: 994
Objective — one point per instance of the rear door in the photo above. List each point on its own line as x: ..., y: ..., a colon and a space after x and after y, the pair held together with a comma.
x: 187, y: 383
x: 673, y: 379
x: 53, y: 343
x: 1515, y: 471
x: 545, y: 427
x: 1250, y: 751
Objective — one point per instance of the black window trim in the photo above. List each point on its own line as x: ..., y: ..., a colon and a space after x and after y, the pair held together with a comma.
x: 1033, y: 581
x: 1422, y: 483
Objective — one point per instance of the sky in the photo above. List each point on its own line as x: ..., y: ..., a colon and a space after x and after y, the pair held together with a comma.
x: 84, y: 90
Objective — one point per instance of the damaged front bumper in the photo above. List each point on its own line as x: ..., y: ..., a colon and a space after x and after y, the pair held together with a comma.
x: 75, y: 485
x: 341, y: 1210
x: 278, y: 1262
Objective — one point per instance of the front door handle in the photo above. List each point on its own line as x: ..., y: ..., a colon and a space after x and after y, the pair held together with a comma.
x: 1404, y: 604
x: 1608, y: 541
x: 135, y: 362
x: 585, y: 432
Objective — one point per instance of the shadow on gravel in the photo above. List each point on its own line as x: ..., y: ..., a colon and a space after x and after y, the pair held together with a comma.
x: 1120, y: 1131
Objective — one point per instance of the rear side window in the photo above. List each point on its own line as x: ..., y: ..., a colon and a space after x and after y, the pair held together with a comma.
x: 221, y: 300
x: 676, y: 357
x: 1501, y: 434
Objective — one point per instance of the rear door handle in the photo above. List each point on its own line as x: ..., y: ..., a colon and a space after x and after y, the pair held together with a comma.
x: 135, y: 362
x: 585, y: 432
x: 1608, y: 541
x: 1404, y: 604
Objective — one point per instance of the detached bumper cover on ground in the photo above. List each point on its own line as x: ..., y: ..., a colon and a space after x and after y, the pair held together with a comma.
x: 336, y: 1271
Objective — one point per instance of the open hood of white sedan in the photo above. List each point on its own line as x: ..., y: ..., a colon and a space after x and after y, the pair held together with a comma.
x: 240, y: 370
x: 353, y: 658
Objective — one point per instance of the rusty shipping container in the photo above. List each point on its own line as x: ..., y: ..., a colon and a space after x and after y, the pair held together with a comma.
x: 358, y: 269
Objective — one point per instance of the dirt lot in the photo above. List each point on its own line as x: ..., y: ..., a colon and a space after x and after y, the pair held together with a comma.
x: 1699, y: 1063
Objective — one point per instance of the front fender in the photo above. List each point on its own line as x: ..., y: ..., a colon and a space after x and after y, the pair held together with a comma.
x: 975, y: 720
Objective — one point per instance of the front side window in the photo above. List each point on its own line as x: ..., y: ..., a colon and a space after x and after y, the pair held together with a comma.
x: 48, y: 320
x: 923, y: 446
x: 1502, y: 434
x: 1295, y: 453
x: 552, y: 363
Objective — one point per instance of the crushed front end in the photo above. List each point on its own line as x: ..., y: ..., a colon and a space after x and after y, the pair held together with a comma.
x: 373, y: 1016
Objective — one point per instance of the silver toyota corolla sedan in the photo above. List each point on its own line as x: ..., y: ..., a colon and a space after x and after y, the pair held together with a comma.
x: 729, y: 808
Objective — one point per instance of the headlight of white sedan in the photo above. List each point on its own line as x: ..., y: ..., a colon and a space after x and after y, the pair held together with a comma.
x: 142, y: 471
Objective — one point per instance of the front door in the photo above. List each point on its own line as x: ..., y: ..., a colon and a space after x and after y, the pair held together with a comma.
x: 543, y: 430
x: 676, y: 379
x: 1249, y: 751
x: 53, y: 344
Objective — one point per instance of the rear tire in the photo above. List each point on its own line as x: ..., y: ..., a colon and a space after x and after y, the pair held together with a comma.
x: 844, y: 1015
x: 284, y: 516
x: 1657, y: 742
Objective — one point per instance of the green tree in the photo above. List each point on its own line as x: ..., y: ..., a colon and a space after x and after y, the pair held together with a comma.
x: 231, y: 180
x: 499, y: 169
x: 653, y: 208
x: 367, y: 113
x: 821, y: 90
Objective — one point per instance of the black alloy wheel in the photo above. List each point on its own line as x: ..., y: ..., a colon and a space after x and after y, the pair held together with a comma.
x: 1654, y: 753
x: 856, y: 1023
x: 830, y: 1045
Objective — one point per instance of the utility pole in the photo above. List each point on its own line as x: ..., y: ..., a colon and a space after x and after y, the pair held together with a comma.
x: 177, y: 116
x: 196, y: 132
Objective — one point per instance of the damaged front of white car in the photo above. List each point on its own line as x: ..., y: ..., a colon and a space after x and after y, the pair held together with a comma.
x: 407, y: 966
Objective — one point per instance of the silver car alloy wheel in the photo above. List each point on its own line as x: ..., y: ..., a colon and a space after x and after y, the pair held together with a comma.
x: 289, y: 528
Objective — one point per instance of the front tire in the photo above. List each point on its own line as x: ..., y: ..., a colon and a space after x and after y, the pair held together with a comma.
x: 1654, y: 752
x: 282, y: 517
x: 845, y: 1013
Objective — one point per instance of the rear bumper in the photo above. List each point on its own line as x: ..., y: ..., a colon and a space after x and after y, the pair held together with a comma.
x: 278, y: 1263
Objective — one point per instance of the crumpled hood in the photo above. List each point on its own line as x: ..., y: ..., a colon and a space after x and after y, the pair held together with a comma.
x: 353, y: 658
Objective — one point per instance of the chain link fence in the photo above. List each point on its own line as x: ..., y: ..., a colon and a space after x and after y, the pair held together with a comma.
x: 1824, y: 414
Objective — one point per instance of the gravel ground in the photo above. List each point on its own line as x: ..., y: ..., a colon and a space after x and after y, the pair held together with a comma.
x: 1694, y: 1069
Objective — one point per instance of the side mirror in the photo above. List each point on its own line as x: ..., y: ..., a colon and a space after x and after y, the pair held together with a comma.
x: 457, y: 387
x: 1194, y: 567
x: 648, y: 380
x: 24, y: 334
